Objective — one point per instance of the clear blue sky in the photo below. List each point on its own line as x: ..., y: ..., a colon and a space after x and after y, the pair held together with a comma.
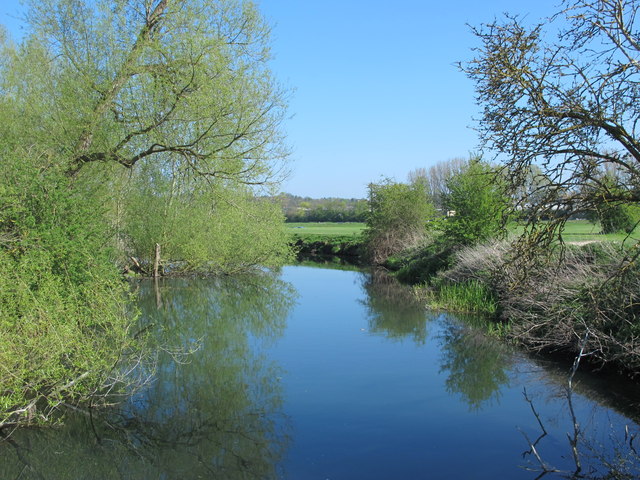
x: 377, y: 92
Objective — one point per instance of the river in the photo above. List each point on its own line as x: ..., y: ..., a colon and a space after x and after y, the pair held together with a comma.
x: 316, y: 373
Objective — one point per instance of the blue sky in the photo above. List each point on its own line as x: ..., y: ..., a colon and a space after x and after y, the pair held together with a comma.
x: 376, y: 89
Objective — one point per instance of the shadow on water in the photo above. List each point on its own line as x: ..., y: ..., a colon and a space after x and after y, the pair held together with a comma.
x: 213, y: 413
x: 478, y: 368
x: 474, y: 363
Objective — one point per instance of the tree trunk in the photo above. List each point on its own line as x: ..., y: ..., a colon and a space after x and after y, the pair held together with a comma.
x: 156, y: 261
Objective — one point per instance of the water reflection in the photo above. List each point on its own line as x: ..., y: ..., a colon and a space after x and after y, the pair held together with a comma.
x: 361, y: 406
x: 476, y: 365
x: 216, y: 412
x: 393, y: 308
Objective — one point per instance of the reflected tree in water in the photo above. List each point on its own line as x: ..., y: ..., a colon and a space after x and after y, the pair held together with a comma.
x: 213, y: 413
x: 476, y: 364
x: 394, y: 310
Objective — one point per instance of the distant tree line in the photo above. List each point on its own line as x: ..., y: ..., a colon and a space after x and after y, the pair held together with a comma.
x: 306, y: 209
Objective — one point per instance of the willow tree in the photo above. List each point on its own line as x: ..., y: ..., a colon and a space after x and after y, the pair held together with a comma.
x: 142, y: 79
x: 107, y: 109
x: 562, y: 96
x: 181, y: 88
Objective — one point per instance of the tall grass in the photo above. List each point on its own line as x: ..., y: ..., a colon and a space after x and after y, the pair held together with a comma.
x: 472, y: 296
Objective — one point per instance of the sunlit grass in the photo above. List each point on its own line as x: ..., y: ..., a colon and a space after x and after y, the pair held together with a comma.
x: 574, y: 231
x: 353, y: 229
x: 585, y: 231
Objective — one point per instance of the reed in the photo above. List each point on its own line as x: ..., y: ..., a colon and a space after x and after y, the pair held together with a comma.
x: 473, y: 296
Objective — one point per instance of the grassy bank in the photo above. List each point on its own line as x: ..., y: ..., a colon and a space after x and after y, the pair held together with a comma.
x: 325, y: 229
x: 466, y: 297
x: 584, y: 231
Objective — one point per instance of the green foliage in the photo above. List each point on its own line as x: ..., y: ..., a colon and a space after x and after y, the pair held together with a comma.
x: 475, y: 203
x: 180, y: 94
x: 421, y: 266
x: 63, y: 318
x: 127, y: 82
x: 211, y: 387
x: 183, y: 97
x: 560, y: 109
x: 475, y: 207
x: 397, y: 220
x: 617, y: 217
x: 201, y: 227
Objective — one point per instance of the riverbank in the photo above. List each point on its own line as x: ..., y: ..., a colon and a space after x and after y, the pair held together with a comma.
x: 578, y: 300
x: 329, y: 246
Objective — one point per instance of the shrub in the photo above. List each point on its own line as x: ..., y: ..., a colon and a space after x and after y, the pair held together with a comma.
x: 476, y: 205
x: 582, y: 295
x: 425, y: 263
x: 397, y: 220
x: 618, y: 217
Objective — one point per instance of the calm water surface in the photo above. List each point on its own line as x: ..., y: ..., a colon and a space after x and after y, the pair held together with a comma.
x: 327, y: 374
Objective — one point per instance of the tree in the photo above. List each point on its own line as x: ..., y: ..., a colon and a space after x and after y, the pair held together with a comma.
x: 397, y: 219
x: 64, y: 324
x: 476, y: 205
x: 615, y: 216
x: 434, y: 179
x: 207, y: 228
x: 569, y: 105
x: 177, y: 92
x: 123, y: 123
x: 158, y: 80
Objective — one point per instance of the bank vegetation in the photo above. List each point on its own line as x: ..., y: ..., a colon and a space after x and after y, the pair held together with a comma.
x: 559, y: 124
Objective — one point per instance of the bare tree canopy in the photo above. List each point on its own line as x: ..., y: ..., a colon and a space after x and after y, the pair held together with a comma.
x: 562, y: 98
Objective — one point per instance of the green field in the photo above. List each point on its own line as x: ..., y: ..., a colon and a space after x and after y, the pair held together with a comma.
x: 585, y: 231
x: 575, y: 231
x: 326, y: 229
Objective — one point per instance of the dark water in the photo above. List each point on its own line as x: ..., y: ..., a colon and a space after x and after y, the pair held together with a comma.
x: 328, y: 374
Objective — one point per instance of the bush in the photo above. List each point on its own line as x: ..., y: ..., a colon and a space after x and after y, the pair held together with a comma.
x: 476, y: 205
x: 554, y: 308
x: 425, y: 263
x: 550, y: 307
x: 397, y: 220
x: 616, y: 218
